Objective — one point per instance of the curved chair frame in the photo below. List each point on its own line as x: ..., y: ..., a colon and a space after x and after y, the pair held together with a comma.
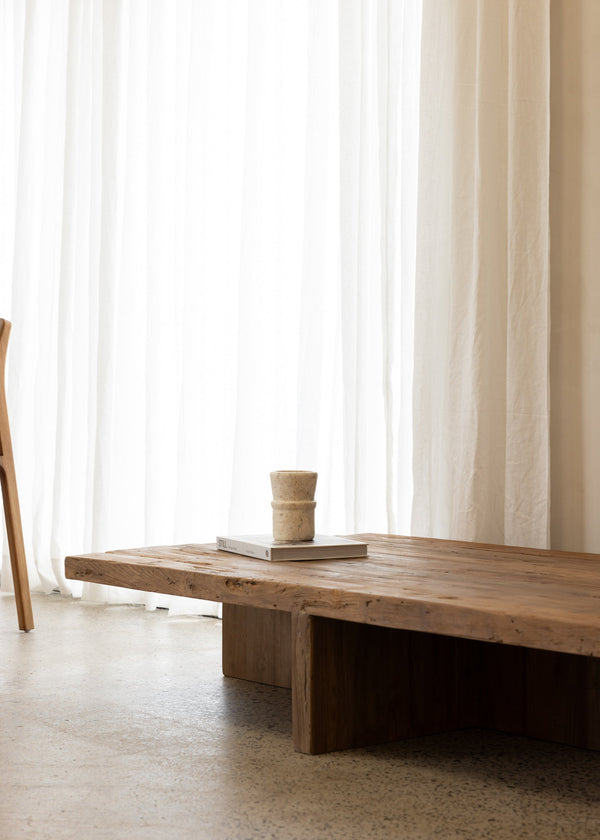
x: 10, y: 497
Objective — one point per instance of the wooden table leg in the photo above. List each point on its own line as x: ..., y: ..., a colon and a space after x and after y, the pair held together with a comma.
x: 355, y: 684
x: 256, y: 644
x: 539, y: 693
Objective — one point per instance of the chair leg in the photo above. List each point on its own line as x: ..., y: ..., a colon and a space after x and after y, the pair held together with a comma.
x: 10, y: 498
x: 16, y: 545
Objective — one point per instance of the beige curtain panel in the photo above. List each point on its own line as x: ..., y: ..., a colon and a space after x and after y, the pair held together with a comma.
x: 482, y: 330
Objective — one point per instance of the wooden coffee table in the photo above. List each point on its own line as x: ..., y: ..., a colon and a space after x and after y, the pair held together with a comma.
x: 421, y: 636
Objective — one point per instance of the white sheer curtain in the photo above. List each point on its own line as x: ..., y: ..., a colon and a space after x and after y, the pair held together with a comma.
x: 207, y: 245
x: 482, y: 331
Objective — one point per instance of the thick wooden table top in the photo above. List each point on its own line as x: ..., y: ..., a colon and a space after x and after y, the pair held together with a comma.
x: 517, y: 596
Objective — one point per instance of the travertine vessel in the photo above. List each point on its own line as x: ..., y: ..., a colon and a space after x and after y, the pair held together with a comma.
x: 293, y: 505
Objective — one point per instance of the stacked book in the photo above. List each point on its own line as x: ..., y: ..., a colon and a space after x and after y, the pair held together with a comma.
x: 321, y: 547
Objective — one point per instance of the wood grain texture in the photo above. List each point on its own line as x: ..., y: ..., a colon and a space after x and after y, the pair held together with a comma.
x: 516, y: 596
x: 10, y: 497
x: 257, y: 645
x: 354, y: 685
x: 561, y: 699
x: 303, y: 687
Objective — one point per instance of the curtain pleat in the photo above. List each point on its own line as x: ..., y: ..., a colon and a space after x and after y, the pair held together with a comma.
x: 481, y: 401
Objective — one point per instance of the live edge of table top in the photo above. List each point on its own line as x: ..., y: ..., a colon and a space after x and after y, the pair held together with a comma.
x: 516, y: 596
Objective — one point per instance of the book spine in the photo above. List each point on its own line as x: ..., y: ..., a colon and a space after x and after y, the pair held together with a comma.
x: 249, y: 550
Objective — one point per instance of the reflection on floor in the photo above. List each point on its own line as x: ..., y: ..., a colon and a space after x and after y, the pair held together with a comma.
x: 116, y: 722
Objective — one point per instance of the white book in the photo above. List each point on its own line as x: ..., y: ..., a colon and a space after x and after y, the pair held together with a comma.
x: 321, y: 547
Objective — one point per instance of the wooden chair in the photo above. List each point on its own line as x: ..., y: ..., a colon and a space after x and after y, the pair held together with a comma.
x: 10, y: 497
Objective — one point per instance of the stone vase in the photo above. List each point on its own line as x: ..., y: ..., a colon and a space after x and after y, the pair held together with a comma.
x: 293, y: 505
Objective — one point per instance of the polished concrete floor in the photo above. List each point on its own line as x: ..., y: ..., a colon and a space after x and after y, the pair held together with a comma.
x: 116, y: 723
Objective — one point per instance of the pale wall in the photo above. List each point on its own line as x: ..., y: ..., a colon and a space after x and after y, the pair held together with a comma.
x: 575, y: 266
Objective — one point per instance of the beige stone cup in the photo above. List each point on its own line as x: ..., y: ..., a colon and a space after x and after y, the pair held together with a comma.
x: 293, y: 505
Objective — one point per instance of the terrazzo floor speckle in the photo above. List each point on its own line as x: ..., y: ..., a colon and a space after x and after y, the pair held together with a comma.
x: 116, y: 722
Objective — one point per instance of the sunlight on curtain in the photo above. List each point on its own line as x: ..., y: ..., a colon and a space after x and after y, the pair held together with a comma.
x: 207, y: 227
